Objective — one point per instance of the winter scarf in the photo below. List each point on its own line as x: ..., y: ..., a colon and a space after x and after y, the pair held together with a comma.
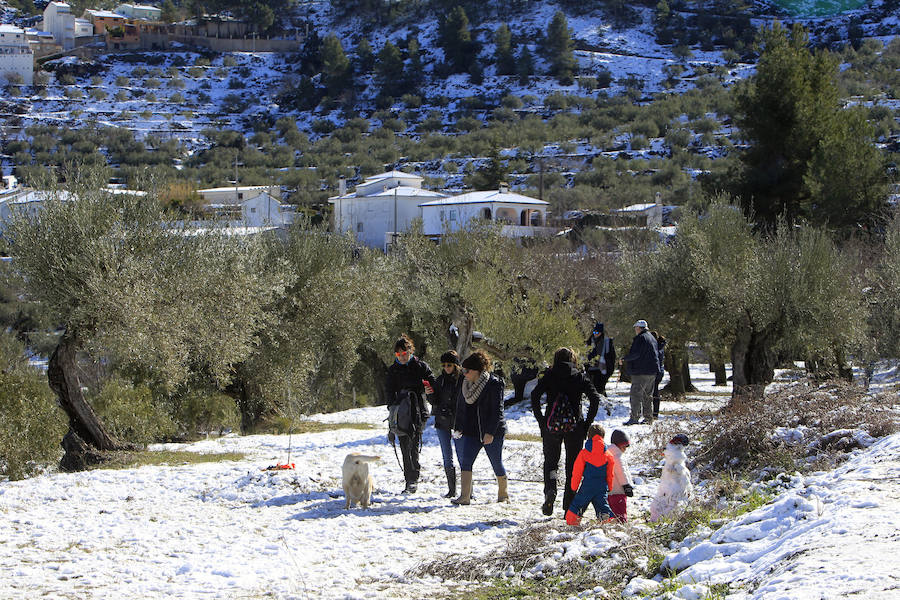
x: 471, y: 391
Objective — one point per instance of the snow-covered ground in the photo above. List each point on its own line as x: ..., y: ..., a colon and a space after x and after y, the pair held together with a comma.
x: 232, y: 530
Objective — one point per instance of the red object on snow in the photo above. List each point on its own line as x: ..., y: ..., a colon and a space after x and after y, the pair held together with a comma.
x: 279, y: 467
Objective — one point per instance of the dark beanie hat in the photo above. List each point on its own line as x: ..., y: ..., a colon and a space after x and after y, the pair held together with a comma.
x: 475, y: 362
x: 619, y: 437
x: 679, y: 440
x: 450, y: 357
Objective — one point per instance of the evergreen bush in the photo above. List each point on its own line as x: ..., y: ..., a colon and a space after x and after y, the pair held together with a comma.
x: 131, y: 414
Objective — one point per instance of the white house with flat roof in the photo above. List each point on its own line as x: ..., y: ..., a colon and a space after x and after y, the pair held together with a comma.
x: 140, y: 11
x: 519, y: 215
x: 381, y: 206
x: 649, y: 214
x: 253, y: 206
x: 59, y: 20
x: 16, y: 55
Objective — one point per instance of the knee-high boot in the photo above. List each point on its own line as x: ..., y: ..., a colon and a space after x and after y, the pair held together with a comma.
x: 465, y: 493
x: 502, y: 494
x: 451, y: 482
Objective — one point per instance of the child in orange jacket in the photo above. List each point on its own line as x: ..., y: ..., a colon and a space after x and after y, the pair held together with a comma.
x: 593, y: 472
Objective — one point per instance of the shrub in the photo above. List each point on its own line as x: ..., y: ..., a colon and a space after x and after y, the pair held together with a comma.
x: 204, y: 412
x: 31, y: 424
x: 130, y: 413
x: 74, y: 94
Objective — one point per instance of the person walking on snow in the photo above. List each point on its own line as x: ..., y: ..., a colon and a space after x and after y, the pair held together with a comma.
x: 406, y: 381
x: 622, y: 485
x: 444, y: 410
x: 601, y: 358
x: 564, y: 384
x: 592, y: 477
x: 643, y: 365
x: 661, y: 352
x: 479, y: 424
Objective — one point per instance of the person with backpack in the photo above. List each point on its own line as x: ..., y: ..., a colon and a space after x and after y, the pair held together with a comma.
x: 444, y: 410
x: 592, y: 477
x: 479, y: 424
x: 601, y: 358
x: 408, y: 381
x: 562, y: 423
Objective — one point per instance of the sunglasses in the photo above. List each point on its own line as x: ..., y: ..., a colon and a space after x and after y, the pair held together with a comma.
x: 448, y: 364
x: 404, y: 353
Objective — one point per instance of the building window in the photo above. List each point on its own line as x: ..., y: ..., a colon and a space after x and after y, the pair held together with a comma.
x: 359, y: 227
x: 486, y: 214
x: 443, y: 217
x: 452, y: 215
x: 240, y: 195
x: 253, y: 209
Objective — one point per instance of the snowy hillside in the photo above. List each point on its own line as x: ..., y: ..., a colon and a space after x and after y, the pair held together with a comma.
x: 232, y: 530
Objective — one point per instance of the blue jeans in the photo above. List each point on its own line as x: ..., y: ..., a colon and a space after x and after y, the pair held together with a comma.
x: 447, y: 446
x: 596, y: 496
x: 469, y: 446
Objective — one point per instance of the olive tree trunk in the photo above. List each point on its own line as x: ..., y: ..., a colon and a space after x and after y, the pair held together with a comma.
x: 87, y: 438
x: 718, y: 369
x: 752, y: 360
x: 678, y: 365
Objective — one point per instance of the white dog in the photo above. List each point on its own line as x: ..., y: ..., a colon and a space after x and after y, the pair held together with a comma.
x: 675, y: 486
x: 358, y: 482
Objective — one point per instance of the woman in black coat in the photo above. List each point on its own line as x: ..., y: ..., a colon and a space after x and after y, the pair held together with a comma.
x: 443, y: 408
x: 480, y: 424
x: 406, y: 382
x: 565, y: 383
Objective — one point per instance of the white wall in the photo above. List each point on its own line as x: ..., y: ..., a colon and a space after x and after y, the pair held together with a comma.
x: 434, y: 221
x: 265, y: 210
x: 376, y: 215
x: 59, y: 20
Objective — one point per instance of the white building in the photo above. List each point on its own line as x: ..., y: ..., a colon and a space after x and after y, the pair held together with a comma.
x: 248, y: 206
x: 236, y: 194
x: 140, y: 11
x: 65, y: 27
x: 16, y: 55
x: 380, y: 207
x: 642, y: 215
x: 520, y: 216
x: 59, y: 20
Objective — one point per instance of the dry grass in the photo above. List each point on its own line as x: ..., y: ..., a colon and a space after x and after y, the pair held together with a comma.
x: 740, y: 436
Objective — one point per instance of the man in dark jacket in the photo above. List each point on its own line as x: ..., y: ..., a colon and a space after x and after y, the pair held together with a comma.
x: 564, y: 382
x: 643, y: 364
x: 406, y: 382
x: 601, y: 358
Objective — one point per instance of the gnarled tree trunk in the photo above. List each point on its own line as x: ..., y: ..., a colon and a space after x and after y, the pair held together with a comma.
x: 718, y: 369
x: 679, y: 368
x: 752, y: 360
x: 87, y: 437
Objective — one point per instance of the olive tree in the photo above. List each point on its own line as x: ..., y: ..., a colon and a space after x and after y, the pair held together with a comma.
x: 127, y: 284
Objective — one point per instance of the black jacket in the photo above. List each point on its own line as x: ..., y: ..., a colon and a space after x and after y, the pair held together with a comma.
x: 485, y: 415
x: 643, y: 358
x: 567, y: 378
x: 409, y: 377
x: 596, y: 349
x: 443, y: 405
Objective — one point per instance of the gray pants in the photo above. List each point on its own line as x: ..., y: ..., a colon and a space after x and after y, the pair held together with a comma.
x: 642, y: 396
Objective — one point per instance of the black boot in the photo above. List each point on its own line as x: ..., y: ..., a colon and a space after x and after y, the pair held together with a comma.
x: 451, y: 482
x: 547, y: 506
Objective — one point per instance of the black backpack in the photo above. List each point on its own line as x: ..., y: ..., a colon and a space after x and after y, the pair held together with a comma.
x: 402, y: 416
x: 561, y: 415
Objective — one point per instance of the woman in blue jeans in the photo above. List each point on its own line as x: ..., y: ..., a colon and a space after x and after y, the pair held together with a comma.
x: 444, y: 411
x: 479, y: 424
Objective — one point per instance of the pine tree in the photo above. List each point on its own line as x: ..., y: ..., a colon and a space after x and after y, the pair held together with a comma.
x: 504, y: 57
x: 335, y: 65
x: 389, y: 69
x: 808, y: 158
x: 365, y: 58
x: 414, y: 72
x: 559, y: 49
x: 456, y: 40
x: 169, y: 12
x: 525, y: 65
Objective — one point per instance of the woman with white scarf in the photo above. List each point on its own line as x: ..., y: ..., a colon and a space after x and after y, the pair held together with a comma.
x: 479, y: 424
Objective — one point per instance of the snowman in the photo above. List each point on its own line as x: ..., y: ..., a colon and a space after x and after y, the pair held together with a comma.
x: 675, y: 487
